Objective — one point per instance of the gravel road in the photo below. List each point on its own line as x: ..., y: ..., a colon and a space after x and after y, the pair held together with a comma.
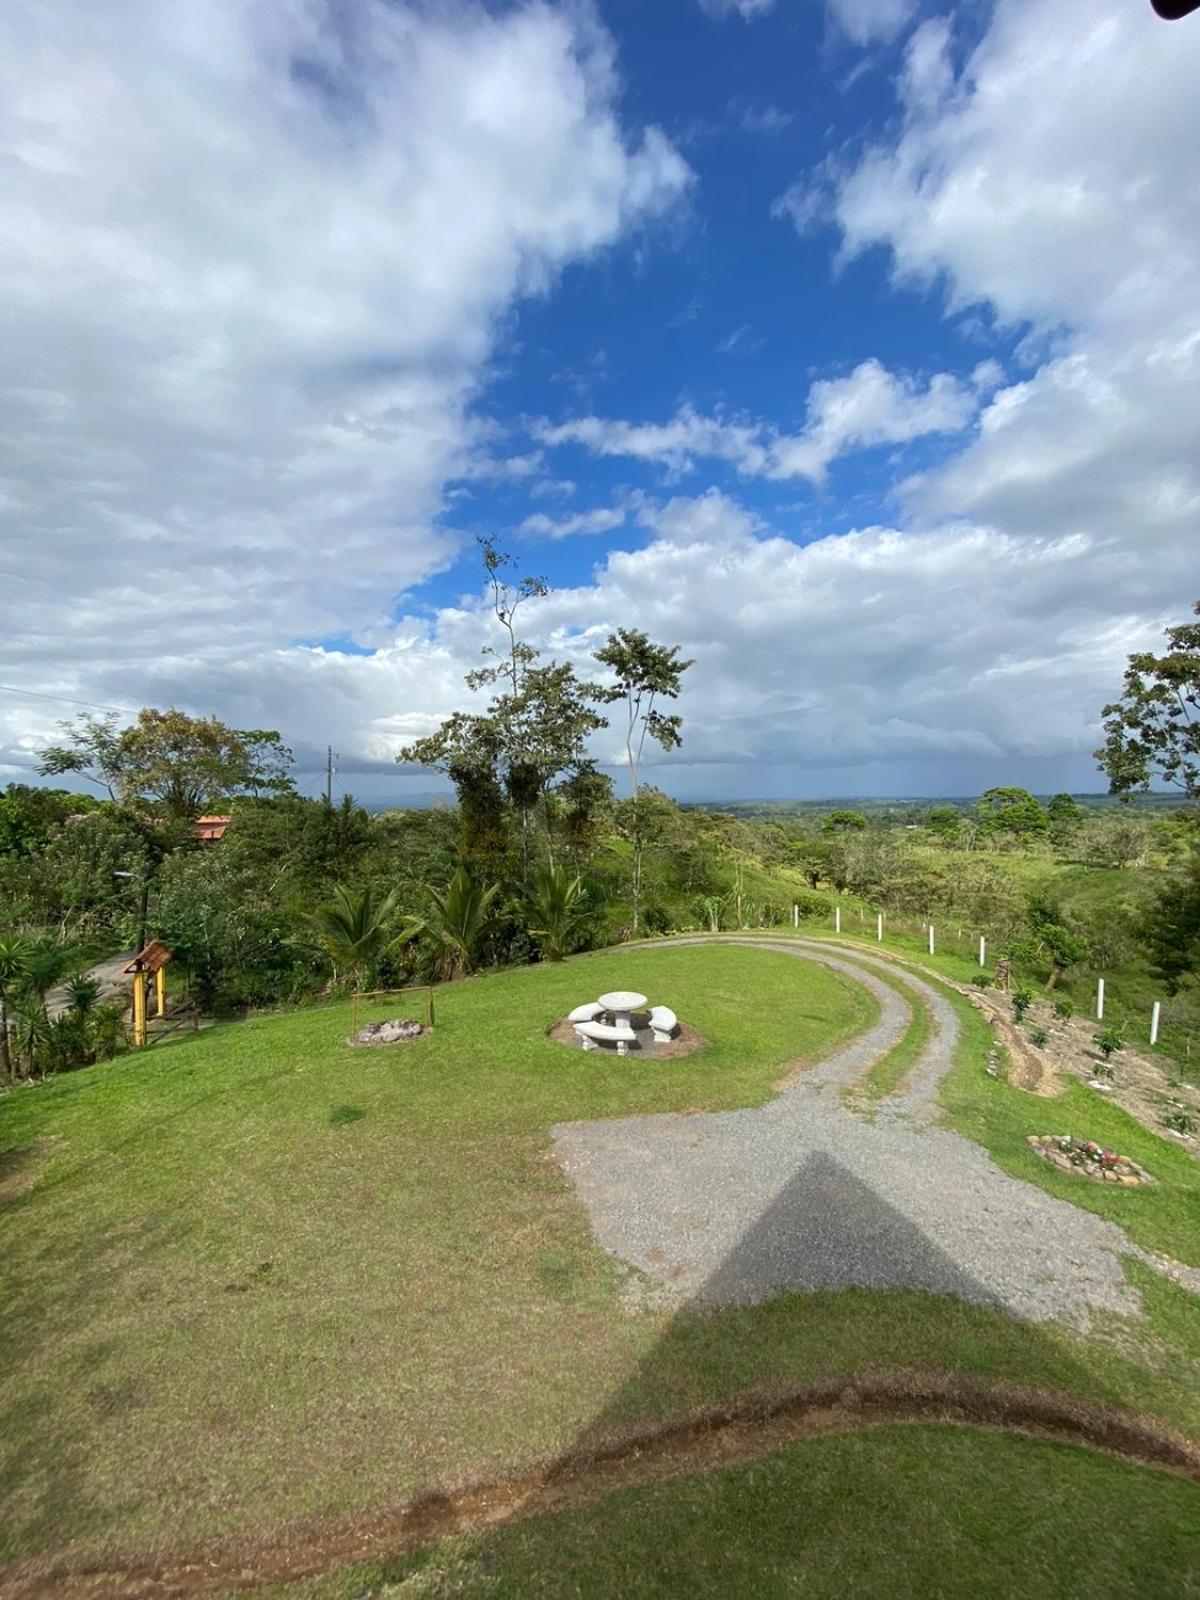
x: 734, y: 1207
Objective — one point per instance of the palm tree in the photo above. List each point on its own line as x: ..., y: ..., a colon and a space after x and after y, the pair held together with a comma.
x: 16, y: 956
x: 83, y: 994
x: 555, y: 904
x: 456, y: 921
x: 354, y: 930
x: 32, y: 1030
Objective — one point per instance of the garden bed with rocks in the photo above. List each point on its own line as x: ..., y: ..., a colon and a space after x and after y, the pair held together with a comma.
x: 1087, y: 1159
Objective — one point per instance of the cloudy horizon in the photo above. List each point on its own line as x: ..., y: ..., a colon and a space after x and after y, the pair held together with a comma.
x: 852, y: 347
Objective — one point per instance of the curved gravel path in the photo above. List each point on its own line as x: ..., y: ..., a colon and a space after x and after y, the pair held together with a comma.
x: 801, y: 1194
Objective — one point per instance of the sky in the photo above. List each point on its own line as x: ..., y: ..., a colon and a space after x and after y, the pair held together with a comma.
x: 852, y: 346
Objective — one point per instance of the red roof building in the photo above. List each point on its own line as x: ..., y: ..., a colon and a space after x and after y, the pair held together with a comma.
x: 210, y: 829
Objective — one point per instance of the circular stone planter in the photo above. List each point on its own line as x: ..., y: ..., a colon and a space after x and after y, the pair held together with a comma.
x: 685, y: 1043
x: 398, y: 1031
x: 1087, y: 1159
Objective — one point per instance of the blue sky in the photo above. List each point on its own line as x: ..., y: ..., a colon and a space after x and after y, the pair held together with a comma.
x: 851, y: 345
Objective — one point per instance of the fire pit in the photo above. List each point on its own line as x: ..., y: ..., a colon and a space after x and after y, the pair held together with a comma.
x: 398, y: 1031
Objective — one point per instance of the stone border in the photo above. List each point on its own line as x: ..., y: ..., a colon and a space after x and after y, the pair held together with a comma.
x: 1086, y: 1159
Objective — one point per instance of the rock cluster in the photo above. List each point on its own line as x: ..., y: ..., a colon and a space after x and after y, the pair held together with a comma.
x: 1088, y: 1159
x: 396, y: 1031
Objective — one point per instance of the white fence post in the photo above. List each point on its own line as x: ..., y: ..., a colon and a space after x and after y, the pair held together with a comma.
x: 982, y: 951
x: 931, y: 938
x: 795, y: 915
x: 1100, y: 1000
x: 1154, y: 1016
x: 879, y: 926
x: 837, y: 919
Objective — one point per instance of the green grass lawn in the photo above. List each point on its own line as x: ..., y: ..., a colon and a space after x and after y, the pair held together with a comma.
x: 263, y: 1276
x: 889, y: 1512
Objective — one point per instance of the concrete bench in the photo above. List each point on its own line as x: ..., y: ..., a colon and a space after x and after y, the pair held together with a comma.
x: 594, y: 1034
x: 586, y: 1013
x: 663, y: 1023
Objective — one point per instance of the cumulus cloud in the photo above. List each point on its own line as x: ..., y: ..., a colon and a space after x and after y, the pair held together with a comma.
x: 869, y: 406
x: 1050, y: 180
x: 254, y: 262
x: 881, y: 646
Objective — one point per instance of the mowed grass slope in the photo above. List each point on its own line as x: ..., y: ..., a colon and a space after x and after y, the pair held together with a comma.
x: 265, y: 1277
x: 891, y: 1511
x: 263, y: 1273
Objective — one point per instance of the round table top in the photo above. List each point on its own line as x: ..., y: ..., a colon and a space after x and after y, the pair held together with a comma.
x: 622, y: 1000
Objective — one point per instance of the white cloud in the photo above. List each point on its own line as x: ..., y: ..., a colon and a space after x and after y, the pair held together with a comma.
x: 869, y: 406
x: 1051, y: 180
x: 881, y: 646
x: 254, y: 262
x: 674, y: 445
x: 768, y: 120
x: 868, y: 21
x: 552, y: 489
x: 602, y: 520
x: 748, y: 10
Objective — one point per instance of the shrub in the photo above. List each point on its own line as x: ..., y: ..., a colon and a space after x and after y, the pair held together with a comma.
x: 983, y: 980
x: 1180, y: 1122
x: 1064, y: 1008
x: 1038, y: 1036
x: 1021, y: 1001
x: 1109, y: 1040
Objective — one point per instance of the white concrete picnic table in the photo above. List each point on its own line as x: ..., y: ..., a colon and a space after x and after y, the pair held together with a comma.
x: 622, y: 1003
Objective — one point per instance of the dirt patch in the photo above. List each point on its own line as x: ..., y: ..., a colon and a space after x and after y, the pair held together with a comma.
x: 1028, y: 1068
x: 1148, y: 1087
x: 685, y: 1043
x: 21, y: 1168
x: 707, y: 1441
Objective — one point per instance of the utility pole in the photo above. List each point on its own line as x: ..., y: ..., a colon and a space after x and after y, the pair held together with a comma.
x: 329, y: 774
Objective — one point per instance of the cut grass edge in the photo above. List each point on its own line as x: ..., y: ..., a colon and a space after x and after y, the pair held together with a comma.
x: 749, y: 1428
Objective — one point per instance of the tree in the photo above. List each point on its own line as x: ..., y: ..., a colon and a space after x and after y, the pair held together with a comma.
x: 1064, y: 811
x: 16, y: 962
x: 1121, y: 841
x: 170, y: 764
x: 29, y: 817
x: 845, y: 822
x: 586, y: 799
x: 1053, y: 940
x: 456, y: 920
x: 1153, y: 730
x: 645, y: 673
x: 467, y: 748
x: 556, y: 904
x: 1170, y: 930
x: 945, y: 823
x: 510, y: 713
x: 533, y: 732
x: 355, y: 930
x: 1012, y: 812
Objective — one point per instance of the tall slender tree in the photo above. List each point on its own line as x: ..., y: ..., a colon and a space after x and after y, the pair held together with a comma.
x: 645, y: 674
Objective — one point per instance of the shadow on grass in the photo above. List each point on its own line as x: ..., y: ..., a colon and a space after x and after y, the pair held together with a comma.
x: 659, y: 1422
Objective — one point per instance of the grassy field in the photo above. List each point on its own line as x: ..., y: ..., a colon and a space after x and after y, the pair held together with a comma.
x: 262, y: 1276
x: 937, y: 1512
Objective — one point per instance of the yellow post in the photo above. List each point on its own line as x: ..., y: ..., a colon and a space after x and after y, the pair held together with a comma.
x: 160, y: 991
x: 139, y: 1008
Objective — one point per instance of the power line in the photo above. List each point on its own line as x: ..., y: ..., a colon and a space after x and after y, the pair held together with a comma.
x: 65, y: 699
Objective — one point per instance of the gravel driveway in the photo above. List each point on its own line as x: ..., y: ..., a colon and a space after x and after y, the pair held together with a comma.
x: 737, y: 1206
